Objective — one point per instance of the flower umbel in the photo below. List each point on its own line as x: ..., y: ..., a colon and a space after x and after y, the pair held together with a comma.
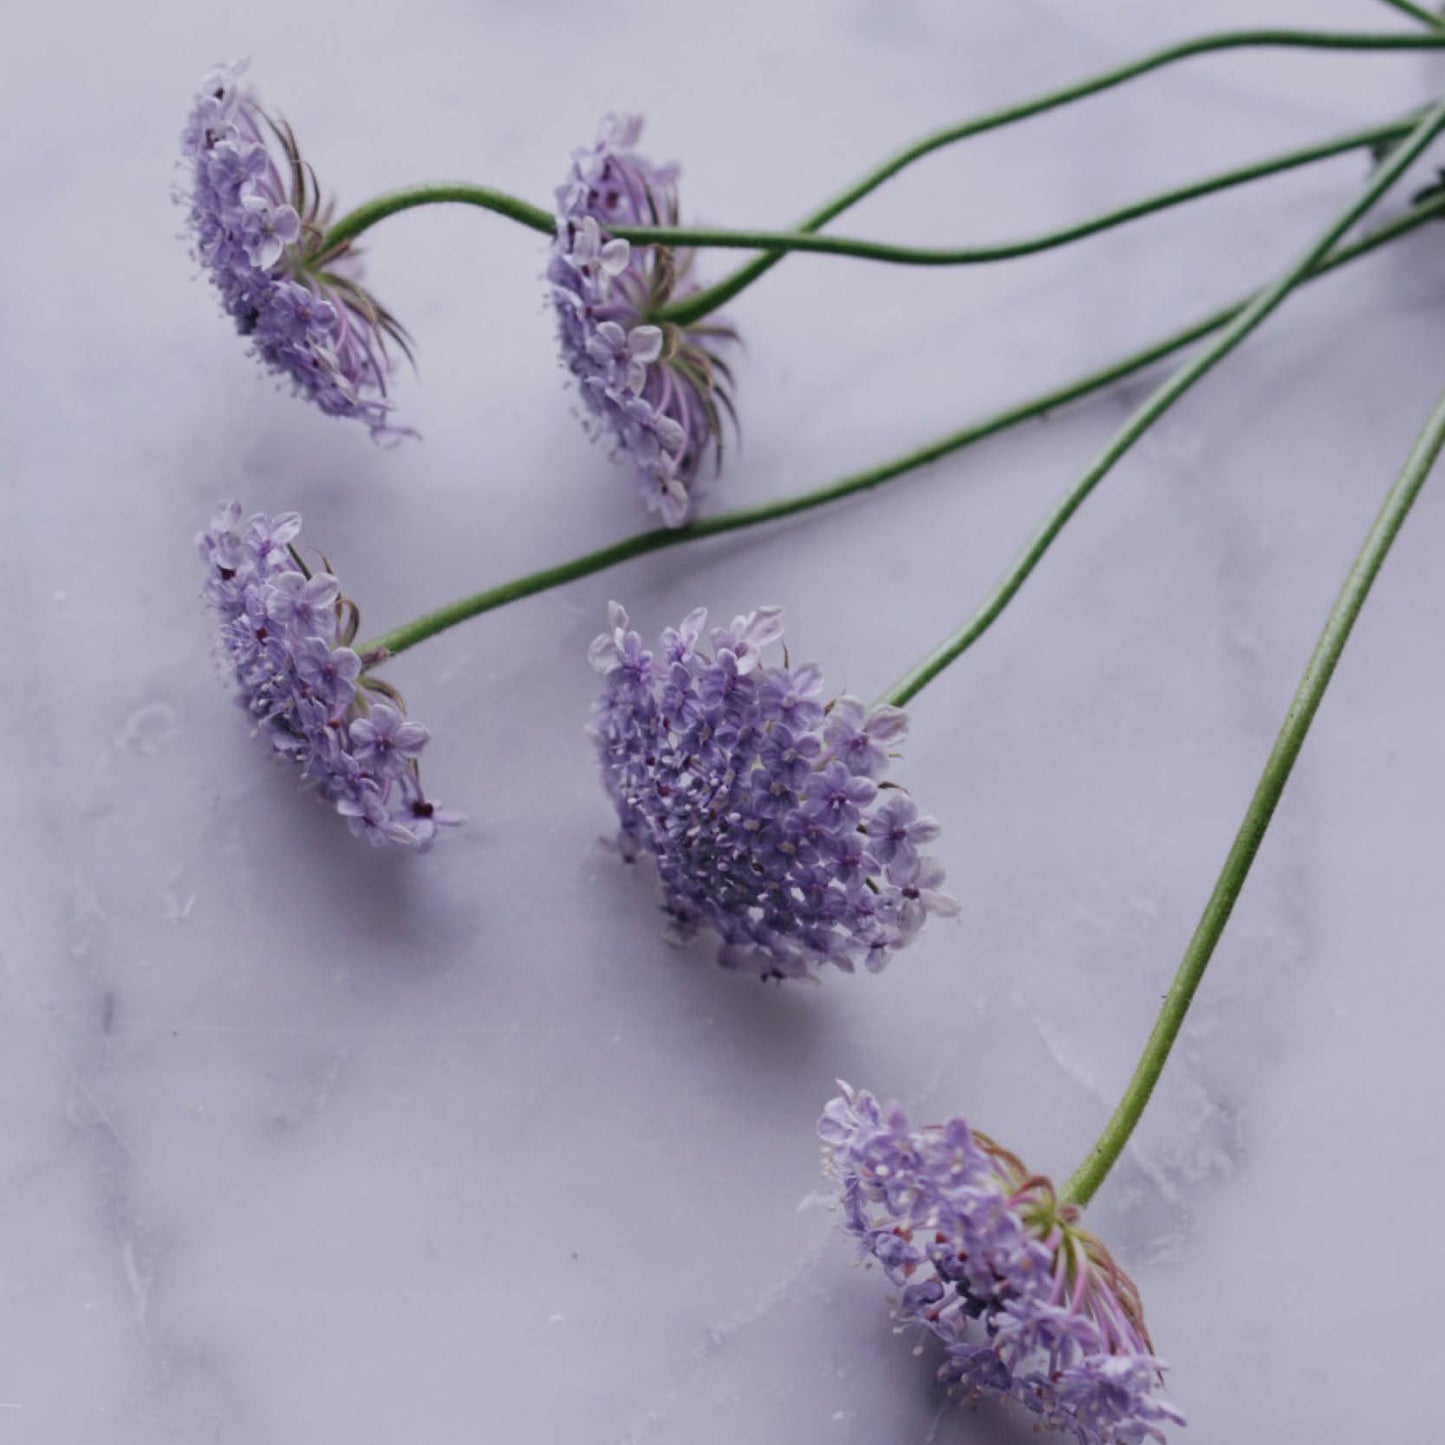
x: 660, y: 390
x: 258, y: 218
x: 285, y: 636
x: 1028, y: 1305
x: 765, y: 808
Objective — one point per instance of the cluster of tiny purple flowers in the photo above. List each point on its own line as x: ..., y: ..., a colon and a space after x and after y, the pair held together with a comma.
x: 285, y: 634
x: 659, y: 390
x: 1029, y: 1306
x: 765, y: 809
x: 258, y: 220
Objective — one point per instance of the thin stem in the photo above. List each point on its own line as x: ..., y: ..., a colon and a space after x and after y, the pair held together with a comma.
x: 1100, y: 1159
x: 1416, y: 12
x: 1024, y: 246
x: 353, y: 224
x: 408, y: 635
x: 1246, y: 320
x: 711, y: 297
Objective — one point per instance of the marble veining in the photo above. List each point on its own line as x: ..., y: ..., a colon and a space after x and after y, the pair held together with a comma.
x: 306, y: 1143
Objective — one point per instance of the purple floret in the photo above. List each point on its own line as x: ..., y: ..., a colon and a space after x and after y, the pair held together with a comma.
x: 769, y: 824
x: 658, y: 390
x: 258, y: 218
x: 1028, y: 1305
x: 285, y: 635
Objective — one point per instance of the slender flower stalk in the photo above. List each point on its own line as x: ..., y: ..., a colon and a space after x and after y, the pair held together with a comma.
x: 356, y: 222
x: 1247, y: 320
x: 1280, y: 763
x: 1367, y: 138
x: 1417, y: 12
x: 693, y: 308
x: 662, y: 392
x: 430, y: 624
x: 990, y: 1258
x: 719, y: 294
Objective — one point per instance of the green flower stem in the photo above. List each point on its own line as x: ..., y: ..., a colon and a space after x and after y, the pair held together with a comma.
x: 1401, y: 497
x: 702, y: 302
x: 408, y: 635
x: 1417, y: 12
x: 1244, y: 321
x: 363, y: 218
x: 1025, y: 246
x: 352, y: 225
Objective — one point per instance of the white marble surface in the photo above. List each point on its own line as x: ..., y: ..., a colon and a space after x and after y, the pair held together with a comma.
x: 302, y: 1143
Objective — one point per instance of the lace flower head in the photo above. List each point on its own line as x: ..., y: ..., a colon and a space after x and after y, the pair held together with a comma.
x: 765, y: 807
x: 1029, y: 1306
x: 258, y: 217
x: 285, y: 634
x: 659, y: 391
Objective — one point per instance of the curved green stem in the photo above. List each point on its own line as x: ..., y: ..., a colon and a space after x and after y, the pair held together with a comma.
x: 352, y: 225
x: 1025, y: 246
x: 408, y: 635
x: 698, y: 305
x: 1246, y: 320
x: 1416, y: 12
x: 1100, y: 1159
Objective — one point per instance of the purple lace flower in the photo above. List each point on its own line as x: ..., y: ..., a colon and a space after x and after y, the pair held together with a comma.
x: 764, y: 807
x: 659, y: 390
x: 285, y: 636
x: 258, y: 219
x: 1028, y: 1305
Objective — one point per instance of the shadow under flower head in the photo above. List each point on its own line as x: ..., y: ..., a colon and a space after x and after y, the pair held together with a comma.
x: 1029, y: 1305
x: 765, y: 808
x: 258, y: 218
x: 659, y: 390
x: 285, y: 636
